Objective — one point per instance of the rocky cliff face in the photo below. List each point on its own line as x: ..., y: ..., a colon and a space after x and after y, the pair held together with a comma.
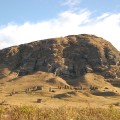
x: 67, y: 57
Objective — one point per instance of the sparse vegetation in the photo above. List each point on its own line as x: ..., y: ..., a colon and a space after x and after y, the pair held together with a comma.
x: 61, y: 113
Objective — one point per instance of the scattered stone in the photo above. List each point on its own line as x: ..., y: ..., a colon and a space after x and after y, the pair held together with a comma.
x: 35, y: 88
x: 39, y: 100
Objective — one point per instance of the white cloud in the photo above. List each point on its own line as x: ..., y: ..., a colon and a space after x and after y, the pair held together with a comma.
x: 68, y: 22
x: 71, y: 2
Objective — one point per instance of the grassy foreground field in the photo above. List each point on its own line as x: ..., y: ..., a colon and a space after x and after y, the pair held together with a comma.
x: 61, y: 113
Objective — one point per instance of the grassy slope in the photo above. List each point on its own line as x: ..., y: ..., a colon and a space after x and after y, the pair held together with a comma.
x: 69, y: 97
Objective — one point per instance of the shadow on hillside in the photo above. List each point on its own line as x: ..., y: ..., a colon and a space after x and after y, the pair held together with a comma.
x: 63, y: 95
x: 106, y: 93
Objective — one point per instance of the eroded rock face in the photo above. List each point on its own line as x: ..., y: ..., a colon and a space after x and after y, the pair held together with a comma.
x: 68, y: 57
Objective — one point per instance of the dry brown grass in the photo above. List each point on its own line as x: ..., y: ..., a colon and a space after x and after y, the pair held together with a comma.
x: 61, y: 113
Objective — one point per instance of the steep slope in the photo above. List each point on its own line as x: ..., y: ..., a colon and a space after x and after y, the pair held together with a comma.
x: 69, y: 57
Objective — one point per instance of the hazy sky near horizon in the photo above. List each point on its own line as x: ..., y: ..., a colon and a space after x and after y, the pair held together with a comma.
x: 23, y: 21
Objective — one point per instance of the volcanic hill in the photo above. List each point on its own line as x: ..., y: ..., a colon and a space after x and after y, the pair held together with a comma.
x: 86, y: 63
x: 68, y: 57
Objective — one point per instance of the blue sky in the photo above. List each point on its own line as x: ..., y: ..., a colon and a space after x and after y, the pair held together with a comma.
x: 23, y: 21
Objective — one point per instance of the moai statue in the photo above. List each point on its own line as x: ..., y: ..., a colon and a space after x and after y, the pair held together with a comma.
x: 81, y: 87
x: 49, y: 67
x: 13, y: 91
x: 65, y: 86
x: 11, y: 94
x: 28, y: 90
x: 60, y: 87
x: 91, y: 87
x: 50, y: 89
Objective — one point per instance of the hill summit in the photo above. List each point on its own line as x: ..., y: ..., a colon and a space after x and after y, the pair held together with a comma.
x: 68, y: 57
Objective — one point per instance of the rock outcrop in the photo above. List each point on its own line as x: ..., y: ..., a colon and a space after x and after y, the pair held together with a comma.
x: 68, y: 57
